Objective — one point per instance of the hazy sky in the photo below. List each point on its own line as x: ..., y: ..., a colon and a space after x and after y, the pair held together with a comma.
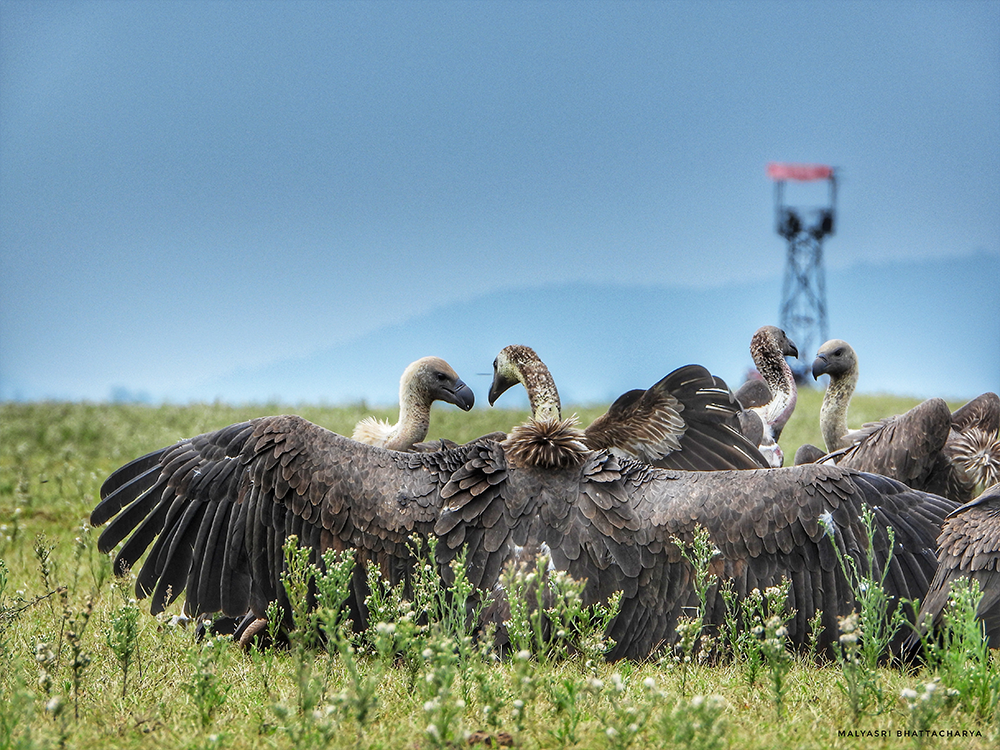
x: 189, y: 188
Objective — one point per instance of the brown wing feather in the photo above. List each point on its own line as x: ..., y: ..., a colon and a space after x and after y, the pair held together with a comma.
x: 769, y: 524
x: 982, y: 412
x: 217, y: 508
x: 611, y: 522
x: 909, y: 447
x: 969, y: 546
x: 688, y: 420
x: 235, y: 495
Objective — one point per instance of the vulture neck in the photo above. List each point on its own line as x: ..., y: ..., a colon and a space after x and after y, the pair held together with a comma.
x: 542, y: 393
x: 546, y: 441
x: 833, y: 413
x: 780, y: 379
x: 414, y: 419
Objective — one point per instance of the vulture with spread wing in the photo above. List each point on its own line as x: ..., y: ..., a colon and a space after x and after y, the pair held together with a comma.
x: 423, y: 382
x: 214, y: 511
x: 929, y: 448
x: 688, y: 420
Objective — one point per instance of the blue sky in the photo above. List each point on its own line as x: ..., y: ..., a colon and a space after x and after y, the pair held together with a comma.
x: 193, y: 188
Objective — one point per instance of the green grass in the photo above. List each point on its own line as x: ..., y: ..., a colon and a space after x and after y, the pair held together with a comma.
x: 67, y: 633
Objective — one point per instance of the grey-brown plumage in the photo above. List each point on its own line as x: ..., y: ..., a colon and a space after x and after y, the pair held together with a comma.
x: 974, y: 439
x: 423, y: 382
x: 808, y: 454
x: 213, y: 512
x: 927, y: 447
x: 753, y: 393
x: 969, y: 546
x: 768, y: 347
x: 688, y: 420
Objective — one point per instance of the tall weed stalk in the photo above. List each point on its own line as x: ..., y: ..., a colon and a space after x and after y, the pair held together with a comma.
x: 959, y: 653
x: 699, y: 555
x: 865, y: 637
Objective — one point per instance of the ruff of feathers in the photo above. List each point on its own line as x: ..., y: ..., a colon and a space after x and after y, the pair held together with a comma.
x: 546, y: 443
x: 978, y: 453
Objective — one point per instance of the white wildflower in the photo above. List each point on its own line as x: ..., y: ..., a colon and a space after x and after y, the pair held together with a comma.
x: 618, y: 682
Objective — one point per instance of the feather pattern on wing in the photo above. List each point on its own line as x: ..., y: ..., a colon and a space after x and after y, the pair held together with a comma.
x: 969, y: 547
x: 211, y: 515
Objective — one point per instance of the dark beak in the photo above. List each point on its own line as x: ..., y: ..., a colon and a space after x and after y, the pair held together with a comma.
x: 499, y: 385
x: 793, y: 351
x: 462, y: 396
x: 819, y: 366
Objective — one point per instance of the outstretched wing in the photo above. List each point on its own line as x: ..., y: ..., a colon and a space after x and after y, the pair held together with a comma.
x: 772, y: 524
x: 689, y: 421
x: 616, y: 523
x: 215, y: 510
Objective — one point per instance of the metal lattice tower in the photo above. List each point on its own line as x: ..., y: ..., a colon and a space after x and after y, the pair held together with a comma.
x: 803, y: 294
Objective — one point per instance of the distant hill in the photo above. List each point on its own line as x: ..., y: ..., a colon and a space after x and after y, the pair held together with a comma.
x: 921, y: 328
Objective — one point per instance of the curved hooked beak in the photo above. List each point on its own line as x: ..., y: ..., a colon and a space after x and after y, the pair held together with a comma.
x: 462, y: 396
x: 793, y: 351
x: 499, y: 385
x: 819, y: 366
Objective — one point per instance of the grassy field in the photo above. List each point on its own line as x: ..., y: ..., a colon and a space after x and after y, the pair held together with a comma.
x: 83, y: 666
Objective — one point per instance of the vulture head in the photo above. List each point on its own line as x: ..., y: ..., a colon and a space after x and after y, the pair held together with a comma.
x: 433, y: 379
x: 546, y: 440
x: 425, y: 381
x: 769, y: 346
x: 519, y: 364
x: 835, y: 358
x: 773, y: 340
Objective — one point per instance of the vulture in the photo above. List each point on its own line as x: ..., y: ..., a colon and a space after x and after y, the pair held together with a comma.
x: 688, y: 420
x: 425, y: 381
x: 929, y: 448
x: 211, y: 514
x: 768, y: 347
x: 969, y: 546
x: 647, y: 425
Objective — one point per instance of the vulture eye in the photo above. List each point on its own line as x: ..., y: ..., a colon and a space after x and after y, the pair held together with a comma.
x: 441, y: 376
